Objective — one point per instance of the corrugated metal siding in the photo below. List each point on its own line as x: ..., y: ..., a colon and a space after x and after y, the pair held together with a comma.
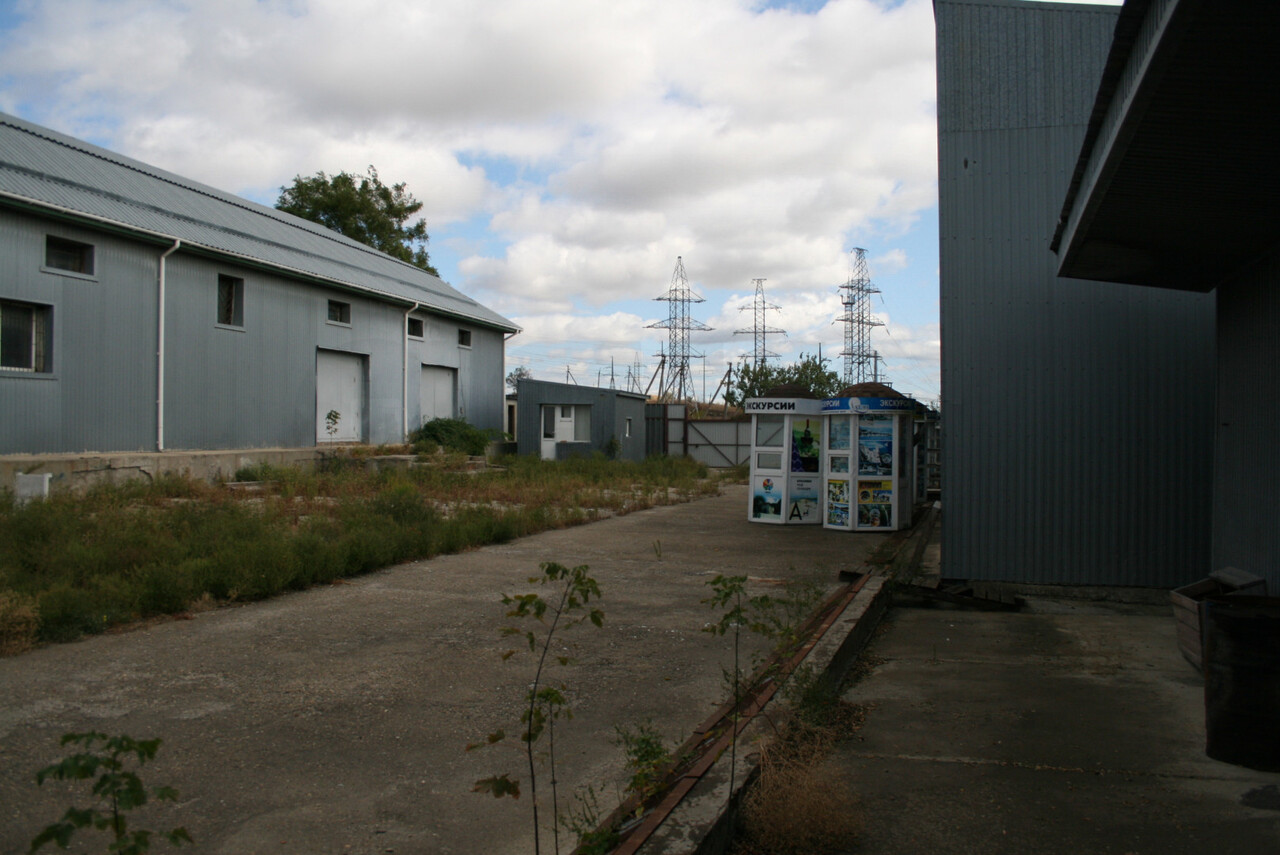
x: 1076, y: 412
x: 1248, y: 453
x: 100, y: 395
x: 224, y: 388
x: 42, y: 165
x: 610, y: 408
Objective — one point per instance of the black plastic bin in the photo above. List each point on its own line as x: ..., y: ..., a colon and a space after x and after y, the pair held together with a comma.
x: 1242, y: 680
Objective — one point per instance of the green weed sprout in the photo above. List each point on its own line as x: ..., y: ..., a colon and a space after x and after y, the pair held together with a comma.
x: 547, y: 703
x: 117, y: 791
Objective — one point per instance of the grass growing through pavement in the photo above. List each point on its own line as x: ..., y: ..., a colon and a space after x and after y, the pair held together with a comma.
x: 77, y: 565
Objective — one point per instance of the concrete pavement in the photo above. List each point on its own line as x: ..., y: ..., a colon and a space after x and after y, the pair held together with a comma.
x: 334, y: 720
x: 1071, y: 727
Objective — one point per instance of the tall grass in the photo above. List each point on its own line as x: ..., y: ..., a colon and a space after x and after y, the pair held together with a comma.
x: 122, y: 553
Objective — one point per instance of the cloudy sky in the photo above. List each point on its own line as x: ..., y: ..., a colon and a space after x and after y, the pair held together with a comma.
x: 567, y: 151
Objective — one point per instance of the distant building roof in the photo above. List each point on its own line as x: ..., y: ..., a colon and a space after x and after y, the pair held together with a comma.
x: 62, y: 176
x: 870, y: 390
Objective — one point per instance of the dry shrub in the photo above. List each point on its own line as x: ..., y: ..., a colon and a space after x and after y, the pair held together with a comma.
x: 19, y: 623
x: 806, y: 808
x: 800, y: 803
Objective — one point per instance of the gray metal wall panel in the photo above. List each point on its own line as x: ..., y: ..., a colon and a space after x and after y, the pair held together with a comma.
x: 1075, y: 411
x: 1247, y: 454
x: 100, y: 395
x: 483, y: 379
x: 257, y: 386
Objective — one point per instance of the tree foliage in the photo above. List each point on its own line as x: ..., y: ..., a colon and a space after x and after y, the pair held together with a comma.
x: 364, y: 209
x: 516, y: 375
x: 810, y: 371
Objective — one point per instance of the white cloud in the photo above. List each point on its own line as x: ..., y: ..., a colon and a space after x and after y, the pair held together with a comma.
x: 752, y: 143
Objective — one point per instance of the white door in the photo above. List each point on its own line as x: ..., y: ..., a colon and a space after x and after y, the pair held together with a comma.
x: 557, y: 426
x: 340, y: 397
x: 437, y: 393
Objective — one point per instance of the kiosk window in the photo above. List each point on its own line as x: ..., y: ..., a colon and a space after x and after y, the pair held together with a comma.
x: 768, y: 460
x: 769, y: 431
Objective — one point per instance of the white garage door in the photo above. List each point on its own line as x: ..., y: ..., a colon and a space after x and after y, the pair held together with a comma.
x: 437, y: 393
x: 340, y: 397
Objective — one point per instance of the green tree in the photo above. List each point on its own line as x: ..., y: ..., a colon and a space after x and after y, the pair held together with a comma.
x: 364, y: 209
x: 516, y: 375
x: 810, y: 371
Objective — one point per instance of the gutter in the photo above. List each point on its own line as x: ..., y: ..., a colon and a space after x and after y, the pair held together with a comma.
x: 160, y: 345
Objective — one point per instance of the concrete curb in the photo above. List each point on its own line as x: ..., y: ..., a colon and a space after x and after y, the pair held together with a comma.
x: 705, y: 821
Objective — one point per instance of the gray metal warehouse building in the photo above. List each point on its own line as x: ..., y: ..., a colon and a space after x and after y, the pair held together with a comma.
x: 1176, y: 191
x: 141, y: 311
x: 1079, y: 415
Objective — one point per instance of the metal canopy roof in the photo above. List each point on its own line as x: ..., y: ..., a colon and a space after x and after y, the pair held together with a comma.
x: 1177, y: 183
x: 59, y: 175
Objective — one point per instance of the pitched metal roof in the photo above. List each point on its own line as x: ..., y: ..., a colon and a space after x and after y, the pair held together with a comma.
x: 43, y: 169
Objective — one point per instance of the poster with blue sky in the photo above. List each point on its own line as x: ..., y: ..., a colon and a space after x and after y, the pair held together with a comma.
x: 875, y: 445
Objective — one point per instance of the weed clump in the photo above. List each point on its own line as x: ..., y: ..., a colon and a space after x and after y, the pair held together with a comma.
x: 451, y: 435
x: 800, y: 804
x: 19, y: 623
x: 79, y: 565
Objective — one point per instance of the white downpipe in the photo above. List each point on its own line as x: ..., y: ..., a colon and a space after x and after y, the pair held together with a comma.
x: 404, y: 399
x: 160, y: 349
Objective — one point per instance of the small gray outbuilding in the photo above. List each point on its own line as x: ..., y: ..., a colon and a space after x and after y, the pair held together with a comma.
x: 557, y: 421
x: 142, y: 311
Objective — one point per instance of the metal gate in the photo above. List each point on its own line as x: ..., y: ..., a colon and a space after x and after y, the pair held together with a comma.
x: 715, y: 442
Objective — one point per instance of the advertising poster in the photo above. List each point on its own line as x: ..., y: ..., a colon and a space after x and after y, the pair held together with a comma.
x: 875, y: 445
x: 838, y: 503
x: 804, y: 501
x: 766, y: 499
x: 840, y: 463
x: 838, y: 433
x: 805, y: 447
x: 875, y: 504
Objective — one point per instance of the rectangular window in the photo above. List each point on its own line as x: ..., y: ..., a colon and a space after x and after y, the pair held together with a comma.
x: 464, y: 338
x: 62, y: 254
x: 416, y: 328
x: 549, y: 422
x: 339, y: 312
x: 25, y: 335
x: 628, y: 432
x: 230, y: 301
x: 769, y: 431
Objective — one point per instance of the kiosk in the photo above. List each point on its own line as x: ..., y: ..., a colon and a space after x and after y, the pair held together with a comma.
x: 866, y: 461
x: 786, y: 458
